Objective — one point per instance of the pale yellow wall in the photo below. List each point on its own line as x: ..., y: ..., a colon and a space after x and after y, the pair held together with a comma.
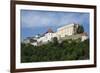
x: 66, y: 31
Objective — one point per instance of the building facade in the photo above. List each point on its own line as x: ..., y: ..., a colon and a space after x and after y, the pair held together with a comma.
x: 67, y: 30
x: 64, y: 32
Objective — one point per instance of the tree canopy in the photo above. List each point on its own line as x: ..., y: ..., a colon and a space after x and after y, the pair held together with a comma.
x: 54, y: 51
x: 80, y: 29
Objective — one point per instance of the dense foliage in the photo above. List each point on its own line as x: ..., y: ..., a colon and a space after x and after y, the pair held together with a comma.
x: 54, y: 51
x: 80, y: 29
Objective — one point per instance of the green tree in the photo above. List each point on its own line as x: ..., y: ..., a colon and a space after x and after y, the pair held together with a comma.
x: 55, y: 51
x: 55, y: 41
x: 80, y: 29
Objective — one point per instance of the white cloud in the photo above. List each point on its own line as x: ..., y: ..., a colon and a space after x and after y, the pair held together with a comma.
x: 40, y: 19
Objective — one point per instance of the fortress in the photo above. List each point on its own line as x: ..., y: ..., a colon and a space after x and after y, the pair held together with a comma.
x: 65, y: 32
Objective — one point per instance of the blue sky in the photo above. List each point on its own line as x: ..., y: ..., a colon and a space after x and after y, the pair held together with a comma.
x: 37, y: 22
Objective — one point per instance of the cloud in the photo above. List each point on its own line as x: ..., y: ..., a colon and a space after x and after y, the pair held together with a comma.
x: 37, y: 19
x: 33, y: 19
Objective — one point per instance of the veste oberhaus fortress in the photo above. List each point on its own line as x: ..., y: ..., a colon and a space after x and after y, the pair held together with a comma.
x: 65, y: 32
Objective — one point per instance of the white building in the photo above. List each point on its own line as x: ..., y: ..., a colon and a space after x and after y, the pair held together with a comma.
x: 84, y: 36
x: 67, y: 32
x: 47, y: 36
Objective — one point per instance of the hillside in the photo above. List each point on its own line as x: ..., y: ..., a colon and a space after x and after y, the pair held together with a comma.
x: 55, y: 51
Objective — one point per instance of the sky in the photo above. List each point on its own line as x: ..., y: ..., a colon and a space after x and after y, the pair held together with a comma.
x: 35, y: 22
